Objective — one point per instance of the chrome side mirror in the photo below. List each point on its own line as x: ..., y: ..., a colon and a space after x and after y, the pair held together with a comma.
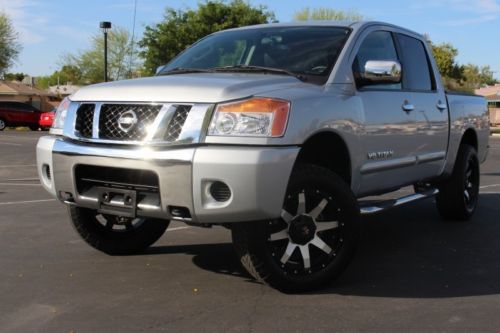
x: 381, y: 72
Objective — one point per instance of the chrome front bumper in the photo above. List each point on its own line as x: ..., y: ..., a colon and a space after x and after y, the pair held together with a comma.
x: 256, y: 176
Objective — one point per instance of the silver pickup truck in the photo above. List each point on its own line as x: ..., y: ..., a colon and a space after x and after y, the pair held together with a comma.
x: 275, y: 131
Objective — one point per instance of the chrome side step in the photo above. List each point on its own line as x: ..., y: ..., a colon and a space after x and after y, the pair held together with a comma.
x: 388, y: 204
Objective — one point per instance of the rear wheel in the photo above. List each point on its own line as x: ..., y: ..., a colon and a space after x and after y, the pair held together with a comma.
x: 313, y: 241
x: 458, y: 196
x: 34, y: 127
x: 3, y: 124
x: 115, y: 234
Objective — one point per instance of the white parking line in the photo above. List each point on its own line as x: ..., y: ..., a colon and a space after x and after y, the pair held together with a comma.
x: 20, y: 179
x: 177, y: 228
x: 10, y: 144
x: 486, y: 186
x: 17, y: 165
x: 14, y: 184
x: 19, y: 137
x: 24, y: 202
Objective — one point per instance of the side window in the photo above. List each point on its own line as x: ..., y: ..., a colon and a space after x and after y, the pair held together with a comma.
x: 19, y: 107
x: 416, y: 69
x: 12, y: 106
x: 378, y: 45
x: 23, y: 107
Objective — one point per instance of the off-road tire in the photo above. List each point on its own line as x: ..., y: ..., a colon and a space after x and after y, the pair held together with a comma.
x: 113, y: 242
x: 452, y: 200
x: 251, y: 240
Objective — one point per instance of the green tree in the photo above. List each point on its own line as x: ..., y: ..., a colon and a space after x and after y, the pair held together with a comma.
x: 9, y: 45
x: 323, y: 13
x: 68, y: 74
x: 181, y: 28
x: 445, y: 55
x: 87, y: 66
x: 476, y: 76
x: 14, y: 76
x: 458, y: 77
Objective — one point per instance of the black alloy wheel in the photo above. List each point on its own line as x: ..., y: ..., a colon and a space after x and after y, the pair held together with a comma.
x: 116, y: 235
x: 313, y: 241
x: 459, y: 194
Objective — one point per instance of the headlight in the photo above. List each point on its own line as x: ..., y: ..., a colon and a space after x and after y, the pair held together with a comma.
x: 264, y: 117
x: 60, y: 117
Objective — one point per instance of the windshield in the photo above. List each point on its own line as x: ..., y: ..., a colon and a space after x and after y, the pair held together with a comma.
x: 307, y: 51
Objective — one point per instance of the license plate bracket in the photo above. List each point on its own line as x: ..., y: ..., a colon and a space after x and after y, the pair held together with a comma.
x: 116, y: 201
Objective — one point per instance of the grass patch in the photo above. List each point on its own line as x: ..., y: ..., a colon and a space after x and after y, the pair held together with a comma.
x: 19, y: 129
x: 495, y: 130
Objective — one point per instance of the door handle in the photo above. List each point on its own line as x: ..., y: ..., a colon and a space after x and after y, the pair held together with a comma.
x: 407, y: 107
x: 441, y: 106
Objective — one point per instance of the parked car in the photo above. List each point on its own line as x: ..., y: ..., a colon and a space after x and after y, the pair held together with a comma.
x: 46, y: 119
x: 18, y: 114
x: 275, y: 131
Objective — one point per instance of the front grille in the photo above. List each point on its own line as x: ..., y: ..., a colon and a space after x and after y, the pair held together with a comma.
x: 130, y: 122
x: 109, y: 125
x: 174, y: 127
x: 84, y: 120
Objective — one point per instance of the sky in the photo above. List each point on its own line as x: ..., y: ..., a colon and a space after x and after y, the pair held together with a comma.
x: 50, y: 28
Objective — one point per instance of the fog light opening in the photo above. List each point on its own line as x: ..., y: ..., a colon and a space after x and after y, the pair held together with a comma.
x: 46, y: 172
x: 220, y: 191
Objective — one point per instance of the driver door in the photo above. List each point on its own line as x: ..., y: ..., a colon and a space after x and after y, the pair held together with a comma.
x: 389, y: 125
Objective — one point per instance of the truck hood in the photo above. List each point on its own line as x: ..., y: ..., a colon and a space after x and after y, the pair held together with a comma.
x: 186, y: 88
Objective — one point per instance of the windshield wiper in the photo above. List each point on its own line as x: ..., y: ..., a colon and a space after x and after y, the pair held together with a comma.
x: 261, y: 69
x: 183, y: 70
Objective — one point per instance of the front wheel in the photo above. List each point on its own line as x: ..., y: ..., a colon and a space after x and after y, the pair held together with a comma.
x: 313, y: 241
x: 458, y: 195
x: 116, y: 235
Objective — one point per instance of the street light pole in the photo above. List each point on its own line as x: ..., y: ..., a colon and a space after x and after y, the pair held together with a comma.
x: 105, y: 26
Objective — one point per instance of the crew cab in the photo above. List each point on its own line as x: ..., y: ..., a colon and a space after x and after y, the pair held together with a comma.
x: 275, y: 131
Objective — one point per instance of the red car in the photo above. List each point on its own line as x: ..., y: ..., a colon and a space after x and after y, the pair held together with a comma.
x: 46, y: 119
x: 18, y: 114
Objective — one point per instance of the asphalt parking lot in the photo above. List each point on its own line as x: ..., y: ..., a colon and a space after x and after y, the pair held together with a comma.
x: 412, y: 271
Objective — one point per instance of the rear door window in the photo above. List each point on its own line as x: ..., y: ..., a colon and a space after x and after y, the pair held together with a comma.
x: 416, y: 69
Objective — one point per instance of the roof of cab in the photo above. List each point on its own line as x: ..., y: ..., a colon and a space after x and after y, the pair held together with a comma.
x: 355, y: 25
